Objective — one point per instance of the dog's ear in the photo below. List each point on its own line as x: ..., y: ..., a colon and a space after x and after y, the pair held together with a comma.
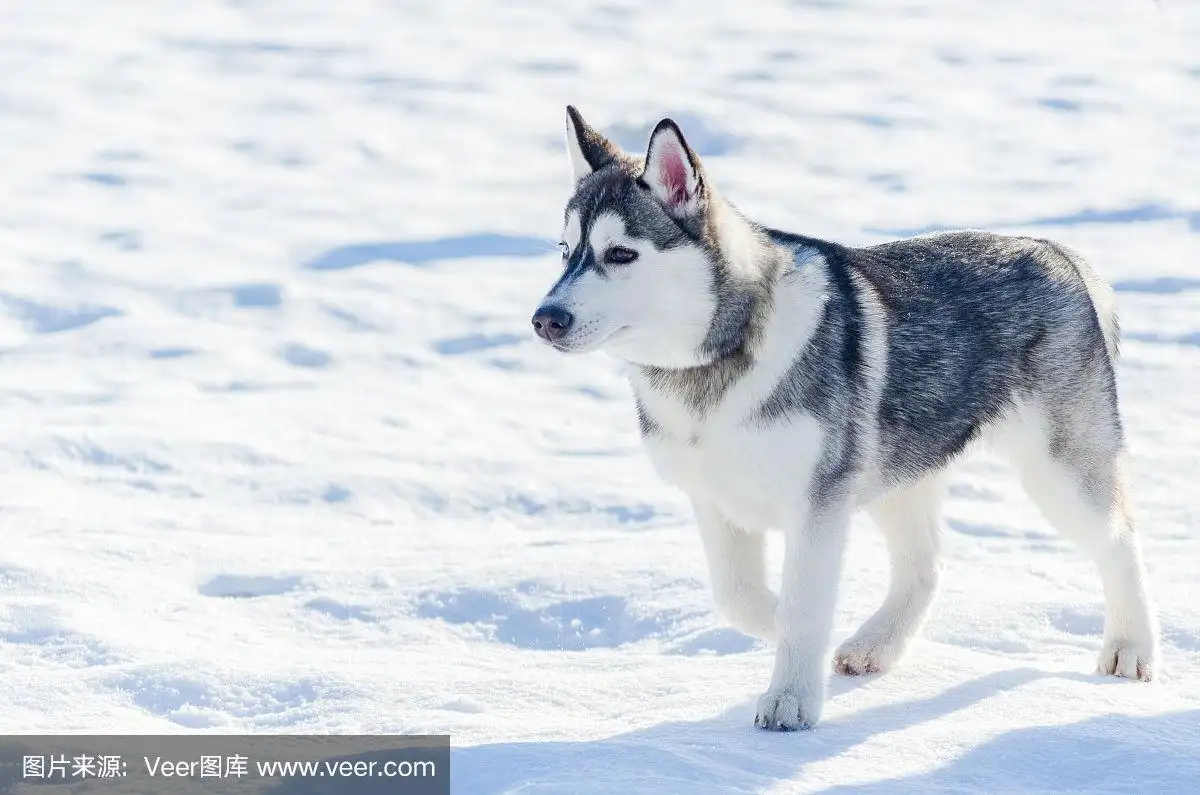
x: 589, y: 150
x: 673, y: 172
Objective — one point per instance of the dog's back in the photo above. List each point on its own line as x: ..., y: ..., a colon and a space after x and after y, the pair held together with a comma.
x: 975, y: 324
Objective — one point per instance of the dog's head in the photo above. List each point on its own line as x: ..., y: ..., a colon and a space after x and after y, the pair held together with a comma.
x: 638, y: 259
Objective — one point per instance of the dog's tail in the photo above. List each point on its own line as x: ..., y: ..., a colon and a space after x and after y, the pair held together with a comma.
x: 1103, y: 296
x: 1104, y: 299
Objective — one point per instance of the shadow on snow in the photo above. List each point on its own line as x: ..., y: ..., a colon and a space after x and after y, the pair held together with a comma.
x: 423, y: 252
x: 726, y: 754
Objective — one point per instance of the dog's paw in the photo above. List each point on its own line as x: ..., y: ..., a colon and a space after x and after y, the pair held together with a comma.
x: 862, y: 656
x: 786, y: 710
x: 1127, y: 659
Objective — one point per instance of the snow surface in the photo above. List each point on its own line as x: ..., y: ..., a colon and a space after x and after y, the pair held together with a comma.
x: 280, y: 453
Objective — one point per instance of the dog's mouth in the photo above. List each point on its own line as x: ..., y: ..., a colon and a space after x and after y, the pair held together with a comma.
x: 588, y: 345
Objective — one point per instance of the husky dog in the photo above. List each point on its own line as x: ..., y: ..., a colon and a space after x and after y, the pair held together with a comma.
x: 784, y: 382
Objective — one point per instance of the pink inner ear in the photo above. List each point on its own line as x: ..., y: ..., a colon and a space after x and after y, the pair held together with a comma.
x: 673, y: 174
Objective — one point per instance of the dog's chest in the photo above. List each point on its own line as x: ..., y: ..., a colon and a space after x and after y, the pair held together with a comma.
x: 755, y: 476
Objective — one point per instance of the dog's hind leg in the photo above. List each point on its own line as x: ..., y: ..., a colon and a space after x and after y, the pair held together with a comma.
x: 1072, y: 467
x: 736, y: 564
x: 910, y: 519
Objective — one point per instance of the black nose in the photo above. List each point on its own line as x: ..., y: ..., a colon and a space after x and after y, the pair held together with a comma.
x: 552, y: 322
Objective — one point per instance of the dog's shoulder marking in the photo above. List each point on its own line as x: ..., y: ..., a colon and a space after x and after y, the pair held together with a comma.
x: 829, y: 368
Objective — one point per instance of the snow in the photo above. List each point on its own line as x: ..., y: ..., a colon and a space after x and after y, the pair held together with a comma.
x: 281, y: 454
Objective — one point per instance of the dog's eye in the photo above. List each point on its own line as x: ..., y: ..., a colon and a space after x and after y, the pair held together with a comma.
x: 619, y: 255
x: 566, y: 250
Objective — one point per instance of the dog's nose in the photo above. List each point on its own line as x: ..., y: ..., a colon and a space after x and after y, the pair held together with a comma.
x: 552, y: 322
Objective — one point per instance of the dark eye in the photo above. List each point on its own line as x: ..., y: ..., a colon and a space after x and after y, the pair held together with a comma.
x: 566, y: 250
x: 619, y: 255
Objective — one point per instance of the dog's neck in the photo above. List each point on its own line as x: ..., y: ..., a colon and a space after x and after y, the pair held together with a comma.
x: 749, y: 268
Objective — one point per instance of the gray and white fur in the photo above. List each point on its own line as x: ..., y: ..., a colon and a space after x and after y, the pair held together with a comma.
x: 785, y: 382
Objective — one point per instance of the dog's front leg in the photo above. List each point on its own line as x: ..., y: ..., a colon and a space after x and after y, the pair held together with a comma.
x: 813, y: 550
x: 736, y: 565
